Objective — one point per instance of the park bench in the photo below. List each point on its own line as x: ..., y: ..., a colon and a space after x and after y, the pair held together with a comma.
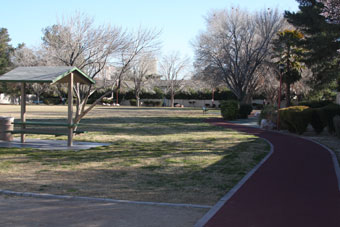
x: 43, y: 131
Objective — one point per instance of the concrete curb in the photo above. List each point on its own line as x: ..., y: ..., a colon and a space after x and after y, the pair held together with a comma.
x: 334, y: 159
x: 92, y: 199
x: 331, y: 152
x: 203, y: 221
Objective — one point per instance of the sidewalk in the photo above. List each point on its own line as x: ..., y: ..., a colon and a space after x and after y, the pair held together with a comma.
x: 296, y: 186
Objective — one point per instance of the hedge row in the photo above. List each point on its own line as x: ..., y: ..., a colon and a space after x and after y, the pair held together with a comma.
x: 158, y: 94
x: 297, y: 118
x: 231, y: 110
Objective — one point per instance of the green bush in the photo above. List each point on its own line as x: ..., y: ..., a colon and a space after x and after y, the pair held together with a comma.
x: 295, y: 119
x: 245, y: 110
x: 315, y: 104
x: 230, y: 109
x: 133, y: 102
x: 336, y: 123
x: 51, y: 101
x: 327, y: 115
x: 316, y: 119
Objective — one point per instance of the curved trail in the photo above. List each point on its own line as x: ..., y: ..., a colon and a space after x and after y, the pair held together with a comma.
x: 296, y: 186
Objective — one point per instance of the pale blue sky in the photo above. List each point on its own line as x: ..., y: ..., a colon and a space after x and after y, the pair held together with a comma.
x: 180, y: 20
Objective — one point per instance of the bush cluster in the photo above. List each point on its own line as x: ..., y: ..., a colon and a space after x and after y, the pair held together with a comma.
x: 159, y: 94
x: 294, y: 118
x: 315, y: 104
x: 152, y: 103
x: 231, y: 110
x: 133, y: 102
x: 244, y: 111
x: 297, y: 118
x: 52, y: 101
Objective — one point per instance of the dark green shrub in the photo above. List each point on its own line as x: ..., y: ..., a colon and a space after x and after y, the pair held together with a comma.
x: 229, y: 109
x: 327, y: 115
x: 316, y: 119
x: 245, y: 110
x: 315, y: 104
x: 336, y: 123
x: 133, y: 102
x: 258, y: 106
x: 51, y: 101
x: 294, y: 119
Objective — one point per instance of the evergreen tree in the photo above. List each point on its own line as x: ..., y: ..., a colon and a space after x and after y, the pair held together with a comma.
x: 290, y: 55
x: 5, y: 50
x: 321, y: 41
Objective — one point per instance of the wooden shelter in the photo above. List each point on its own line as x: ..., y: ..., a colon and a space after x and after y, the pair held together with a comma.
x: 51, y: 75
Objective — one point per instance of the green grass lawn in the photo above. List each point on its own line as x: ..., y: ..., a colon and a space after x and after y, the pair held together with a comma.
x: 155, y: 154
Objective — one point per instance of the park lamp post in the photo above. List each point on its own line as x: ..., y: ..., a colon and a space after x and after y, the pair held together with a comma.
x: 281, y: 69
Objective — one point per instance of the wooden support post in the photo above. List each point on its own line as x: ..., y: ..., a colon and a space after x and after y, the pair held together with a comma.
x: 23, y: 109
x: 70, y: 111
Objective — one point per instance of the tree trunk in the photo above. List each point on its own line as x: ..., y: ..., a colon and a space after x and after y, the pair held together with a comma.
x: 138, y: 100
x: 288, y: 95
x: 117, y: 91
x: 172, y: 99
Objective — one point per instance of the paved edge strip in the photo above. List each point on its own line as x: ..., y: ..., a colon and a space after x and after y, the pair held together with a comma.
x: 334, y: 159
x: 92, y: 199
x: 230, y: 193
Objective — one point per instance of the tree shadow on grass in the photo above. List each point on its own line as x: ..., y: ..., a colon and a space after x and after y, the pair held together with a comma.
x: 142, y: 171
x: 140, y: 126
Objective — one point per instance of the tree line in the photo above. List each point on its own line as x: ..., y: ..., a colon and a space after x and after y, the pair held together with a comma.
x: 238, y: 49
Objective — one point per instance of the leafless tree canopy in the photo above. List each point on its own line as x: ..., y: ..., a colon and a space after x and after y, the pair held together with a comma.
x: 173, y: 69
x: 235, y: 44
x: 139, y: 43
x: 141, y: 72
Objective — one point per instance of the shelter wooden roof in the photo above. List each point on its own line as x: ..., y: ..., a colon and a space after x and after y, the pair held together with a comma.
x: 46, y: 74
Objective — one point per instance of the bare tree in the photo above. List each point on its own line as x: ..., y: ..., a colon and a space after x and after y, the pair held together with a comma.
x: 141, y: 42
x: 236, y: 43
x: 141, y: 72
x: 76, y: 41
x: 173, y: 69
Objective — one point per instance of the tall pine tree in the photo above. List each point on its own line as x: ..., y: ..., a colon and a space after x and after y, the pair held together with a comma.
x: 5, y: 50
x: 290, y: 55
x: 321, y: 41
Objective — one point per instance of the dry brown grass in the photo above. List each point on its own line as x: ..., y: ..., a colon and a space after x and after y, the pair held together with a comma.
x: 156, y: 154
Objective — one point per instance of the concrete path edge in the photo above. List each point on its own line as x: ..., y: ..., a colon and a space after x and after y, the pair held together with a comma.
x: 92, y: 199
x: 334, y: 159
x: 230, y: 193
x: 332, y: 153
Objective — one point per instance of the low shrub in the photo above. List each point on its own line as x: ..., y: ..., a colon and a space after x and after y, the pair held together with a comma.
x: 230, y: 109
x: 257, y: 106
x: 133, y: 102
x: 336, y: 123
x: 315, y: 104
x: 327, y: 115
x: 294, y: 118
x: 51, y: 101
x: 152, y: 103
x: 245, y: 110
x: 316, y: 120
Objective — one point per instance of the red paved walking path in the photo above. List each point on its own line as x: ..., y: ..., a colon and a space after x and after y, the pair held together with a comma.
x: 296, y: 186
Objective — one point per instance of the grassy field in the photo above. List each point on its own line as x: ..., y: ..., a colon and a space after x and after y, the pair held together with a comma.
x: 155, y: 154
